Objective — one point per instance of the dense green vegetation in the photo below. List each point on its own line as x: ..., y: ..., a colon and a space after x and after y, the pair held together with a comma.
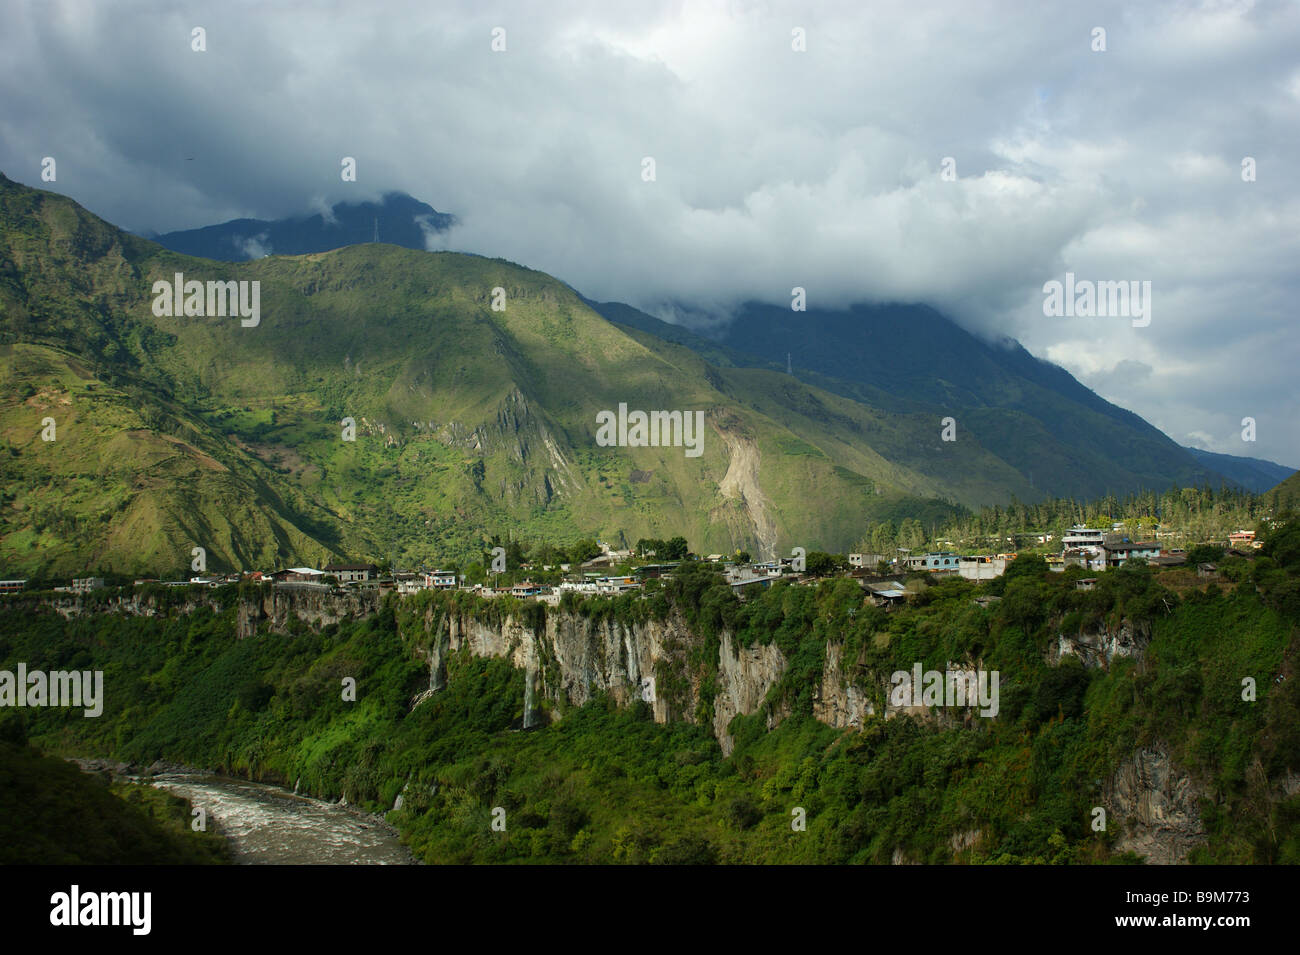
x: 51, y: 813
x: 605, y: 783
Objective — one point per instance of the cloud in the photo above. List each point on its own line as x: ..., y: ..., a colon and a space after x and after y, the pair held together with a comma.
x: 774, y: 168
x: 254, y: 246
x: 323, y: 208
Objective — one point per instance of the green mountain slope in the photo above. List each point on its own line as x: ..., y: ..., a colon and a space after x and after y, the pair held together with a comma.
x: 182, y: 432
x: 1286, y: 496
x: 1034, y: 416
x: 1254, y: 474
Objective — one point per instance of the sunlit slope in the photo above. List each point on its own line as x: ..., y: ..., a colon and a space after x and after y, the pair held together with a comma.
x: 469, y: 420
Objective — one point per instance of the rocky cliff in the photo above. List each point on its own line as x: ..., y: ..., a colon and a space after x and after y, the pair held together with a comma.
x: 1157, y: 804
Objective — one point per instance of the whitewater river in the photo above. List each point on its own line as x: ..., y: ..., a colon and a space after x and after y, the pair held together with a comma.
x: 268, y: 825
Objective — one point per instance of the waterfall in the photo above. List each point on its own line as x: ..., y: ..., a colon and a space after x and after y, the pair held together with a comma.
x: 530, y: 698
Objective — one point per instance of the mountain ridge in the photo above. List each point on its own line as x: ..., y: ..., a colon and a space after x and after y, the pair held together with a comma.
x: 398, y: 218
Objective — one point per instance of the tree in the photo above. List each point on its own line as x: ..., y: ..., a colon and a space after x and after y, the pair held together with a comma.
x: 1027, y: 565
x: 648, y: 547
x: 883, y: 538
x: 674, y: 548
x: 583, y: 550
x: 821, y: 564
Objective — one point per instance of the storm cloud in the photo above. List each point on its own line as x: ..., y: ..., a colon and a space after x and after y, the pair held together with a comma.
x: 775, y: 167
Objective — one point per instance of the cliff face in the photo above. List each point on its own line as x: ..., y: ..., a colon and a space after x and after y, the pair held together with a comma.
x: 1096, y: 649
x: 840, y: 702
x: 570, y: 658
x: 1157, y: 803
x: 271, y: 611
x: 573, y: 658
x: 744, y: 678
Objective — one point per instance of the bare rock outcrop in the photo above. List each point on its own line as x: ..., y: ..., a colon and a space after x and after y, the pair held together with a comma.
x: 1157, y: 803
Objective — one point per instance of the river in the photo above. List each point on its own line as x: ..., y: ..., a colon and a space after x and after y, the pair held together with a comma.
x: 268, y: 825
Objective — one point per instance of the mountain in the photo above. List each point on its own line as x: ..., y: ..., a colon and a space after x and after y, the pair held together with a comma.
x: 1254, y: 474
x: 175, y: 433
x: 398, y: 220
x: 1286, y: 496
x: 1059, y: 436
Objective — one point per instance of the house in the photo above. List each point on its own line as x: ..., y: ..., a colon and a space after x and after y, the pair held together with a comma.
x: 1078, y: 537
x: 1168, y: 560
x: 440, y: 580
x: 744, y: 578
x: 405, y: 582
x: 867, y: 561
x: 982, y: 567
x: 298, y: 575
x: 352, y: 573
x: 1207, y: 571
x: 84, y: 585
x: 1085, y: 583
x: 647, y: 571
x: 885, y: 593
x: 986, y: 601
x: 746, y: 585
x: 12, y: 586
x: 1082, y: 557
x: 940, y: 562
x: 1119, y: 551
x: 616, y: 585
x: 1241, y: 539
x: 524, y: 589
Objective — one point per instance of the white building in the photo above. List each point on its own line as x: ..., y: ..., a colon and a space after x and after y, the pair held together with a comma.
x: 440, y: 580
x: 1080, y: 536
x: 982, y: 568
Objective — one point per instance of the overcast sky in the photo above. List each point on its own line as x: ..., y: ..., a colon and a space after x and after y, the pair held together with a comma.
x: 774, y: 167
